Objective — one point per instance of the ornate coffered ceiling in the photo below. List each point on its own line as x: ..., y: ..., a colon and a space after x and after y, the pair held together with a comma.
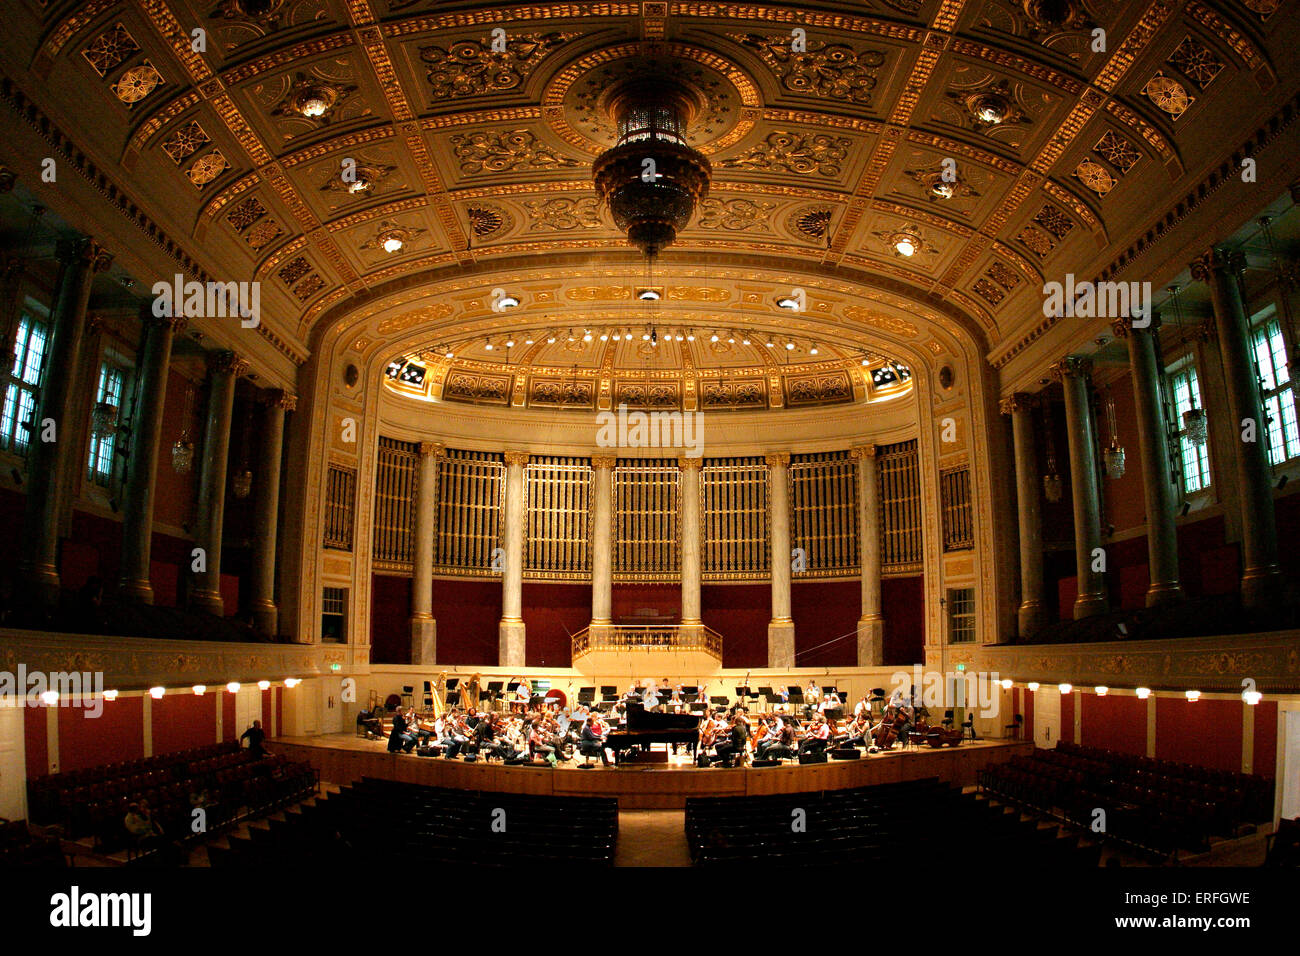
x: 1013, y: 141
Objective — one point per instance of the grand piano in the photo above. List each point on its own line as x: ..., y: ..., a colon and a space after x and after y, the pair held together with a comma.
x: 645, y: 728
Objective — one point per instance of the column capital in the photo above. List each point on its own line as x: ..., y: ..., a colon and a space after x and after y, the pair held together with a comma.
x: 176, y: 323
x: 604, y: 461
x: 781, y: 458
x: 227, y: 362
x: 434, y: 448
x: 85, y: 251
x: 279, y: 398
x: 1072, y: 366
x: 517, y: 458
x: 1216, y: 259
x: 864, y: 451
x: 1018, y: 402
x: 690, y: 464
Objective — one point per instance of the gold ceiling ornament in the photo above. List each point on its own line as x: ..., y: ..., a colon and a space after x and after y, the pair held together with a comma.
x: 800, y: 154
x: 312, y: 98
x: 834, y: 71
x: 1168, y: 94
x: 487, y: 152
x: 1054, y: 221
x: 941, y: 185
x: 735, y: 215
x: 357, y: 176
x: 207, y: 168
x: 563, y: 213
x: 391, y: 238
x: 137, y: 83
x: 185, y: 141
x: 1117, y: 151
x: 486, y: 219
x: 110, y: 49
x: 1095, y: 176
x: 265, y: 13
x: 990, y: 106
x: 486, y: 65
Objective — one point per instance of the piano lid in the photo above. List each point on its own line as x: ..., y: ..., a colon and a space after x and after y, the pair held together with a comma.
x: 638, y: 718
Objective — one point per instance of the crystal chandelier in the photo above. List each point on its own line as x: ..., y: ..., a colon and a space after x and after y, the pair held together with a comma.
x: 242, y: 483
x: 104, y: 420
x: 651, y: 179
x: 183, y: 448
x: 1195, y: 427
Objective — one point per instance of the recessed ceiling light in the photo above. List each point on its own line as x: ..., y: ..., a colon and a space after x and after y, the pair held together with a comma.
x: 713, y: 337
x: 604, y: 336
x: 943, y: 190
x: 551, y: 339
x: 789, y: 345
x: 510, y: 343
x: 788, y: 302
x: 648, y: 295
x: 744, y: 341
x: 690, y: 336
x: 489, y: 346
x: 813, y: 350
x: 507, y: 302
x: 905, y: 243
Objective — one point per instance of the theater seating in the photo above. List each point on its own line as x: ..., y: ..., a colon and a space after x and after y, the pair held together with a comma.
x: 383, y: 826
x: 1158, y: 807
x: 873, y: 826
x: 18, y: 847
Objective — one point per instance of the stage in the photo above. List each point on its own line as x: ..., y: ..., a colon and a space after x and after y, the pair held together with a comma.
x: 344, y: 758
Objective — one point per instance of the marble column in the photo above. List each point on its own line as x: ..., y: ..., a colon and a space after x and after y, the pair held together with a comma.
x: 1088, y: 554
x: 871, y: 625
x: 1153, y: 442
x: 690, y: 512
x: 224, y: 368
x: 511, y: 633
x: 79, y: 260
x: 266, y: 518
x: 780, y: 630
x: 602, y: 540
x: 142, y: 466
x: 424, y: 629
x: 1020, y: 407
x: 1262, y: 581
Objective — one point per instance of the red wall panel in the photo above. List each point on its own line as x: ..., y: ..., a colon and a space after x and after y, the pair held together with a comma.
x: 903, y: 604
x: 638, y: 602
x: 1206, y: 733
x: 740, y: 613
x: 1115, y: 723
x: 552, y: 613
x: 390, y: 619
x: 468, y: 613
x: 1265, y: 762
x: 268, y: 706
x: 38, y: 752
x: 826, y: 622
x: 115, y: 736
x: 184, y: 721
x: 1067, y: 715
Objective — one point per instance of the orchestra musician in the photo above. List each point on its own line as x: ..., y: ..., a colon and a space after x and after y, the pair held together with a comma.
x: 812, y: 695
x: 817, y: 736
x: 593, y: 738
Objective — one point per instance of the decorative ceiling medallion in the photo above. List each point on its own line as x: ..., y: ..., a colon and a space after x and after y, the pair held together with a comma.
x: 879, y: 320
x: 563, y: 213
x: 905, y: 243
x: 245, y: 214
x: 722, y: 394
x: 827, y: 70
x: 802, y: 154
x: 308, y: 287
x: 137, y: 83
x: 647, y: 394
x: 988, y: 291
x: 501, y: 151
x: 1168, y: 94
x: 1052, y: 16
x: 1003, y: 275
x: 110, y: 50
x: 361, y: 179
x: 735, y: 215
x: 940, y: 187
x: 312, y: 99
x: 575, y: 104
x: 1263, y: 8
x: 832, y: 389
x: 185, y: 142
x: 990, y: 106
x: 486, y: 220
x: 1196, y: 61
x: 1118, y: 151
x: 262, y: 233
x: 1054, y: 221
x: 562, y: 394
x: 392, y: 238
x: 207, y: 168
x: 1039, y: 243
x: 293, y: 270
x: 478, y: 67
x: 265, y: 13
x: 1095, y: 177
x: 811, y: 222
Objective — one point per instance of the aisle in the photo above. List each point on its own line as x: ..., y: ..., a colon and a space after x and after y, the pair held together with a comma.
x: 652, y: 838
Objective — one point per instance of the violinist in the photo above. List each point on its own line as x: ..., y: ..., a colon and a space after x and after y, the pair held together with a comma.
x: 858, y: 731
x: 731, y: 746
x: 816, y: 739
x: 783, y: 747
x: 702, y: 695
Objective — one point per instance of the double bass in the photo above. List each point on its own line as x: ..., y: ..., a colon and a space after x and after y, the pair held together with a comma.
x: 889, y: 729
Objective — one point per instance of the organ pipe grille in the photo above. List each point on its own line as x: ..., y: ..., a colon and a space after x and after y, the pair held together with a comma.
x: 734, y: 536
x: 900, y: 507
x: 954, y: 499
x: 396, y: 484
x: 471, y: 485
x: 646, y: 539
x: 340, y: 502
x: 824, y: 510
x: 558, y: 502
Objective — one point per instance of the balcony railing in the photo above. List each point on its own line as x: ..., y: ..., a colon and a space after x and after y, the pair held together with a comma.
x: 648, y: 637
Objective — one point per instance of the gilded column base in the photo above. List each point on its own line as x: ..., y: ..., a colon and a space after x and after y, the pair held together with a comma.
x: 1030, y: 617
x: 266, y: 617
x: 209, y: 601
x: 871, y: 640
x: 511, y: 643
x: 780, y: 644
x: 1262, y: 587
x: 1166, y: 592
x: 1090, y: 605
x: 138, y: 591
x: 424, y: 639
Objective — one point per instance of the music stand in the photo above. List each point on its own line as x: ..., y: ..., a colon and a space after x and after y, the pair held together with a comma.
x: 796, y: 695
x: 718, y: 701
x: 690, y: 691
x: 742, y: 693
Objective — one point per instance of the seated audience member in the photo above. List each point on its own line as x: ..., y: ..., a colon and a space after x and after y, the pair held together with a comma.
x: 255, y: 737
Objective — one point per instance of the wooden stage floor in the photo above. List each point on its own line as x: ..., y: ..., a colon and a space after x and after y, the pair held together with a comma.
x: 344, y: 758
